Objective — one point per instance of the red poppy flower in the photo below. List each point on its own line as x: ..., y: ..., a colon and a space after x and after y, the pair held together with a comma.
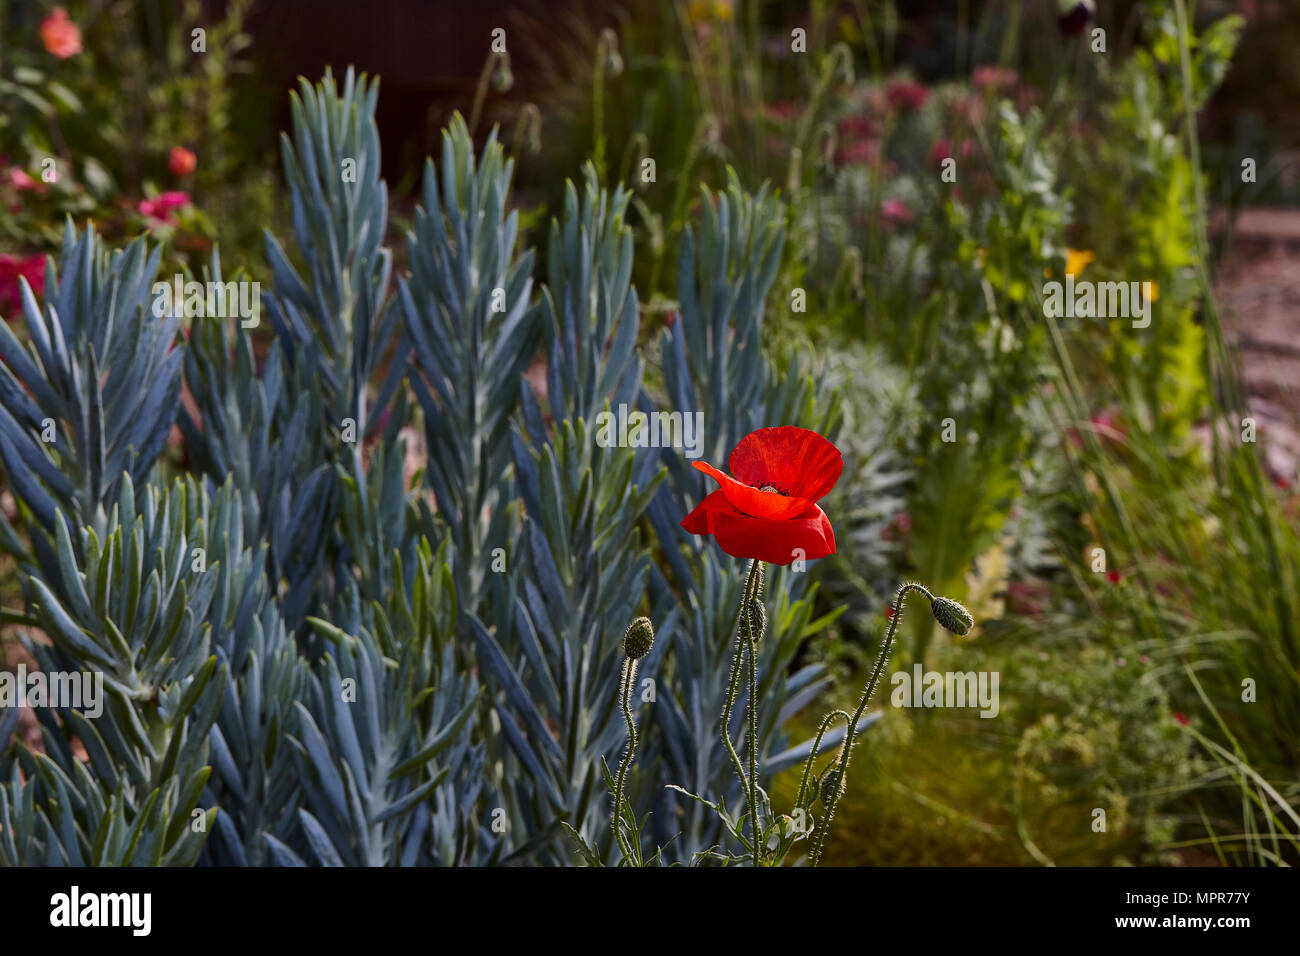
x: 181, y: 161
x: 60, y: 35
x: 767, y: 508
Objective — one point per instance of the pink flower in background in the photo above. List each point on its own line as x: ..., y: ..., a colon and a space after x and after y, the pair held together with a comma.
x: 858, y: 139
x: 900, y: 526
x: 19, y: 179
x: 942, y: 149
x: 895, y: 212
x: 906, y: 95
x: 993, y: 78
x: 1107, y: 425
x: 852, y: 128
x: 13, y: 268
x: 1027, y: 97
x: 784, y: 110
x: 60, y: 35
x: 182, y: 161
x: 1027, y: 598
x: 969, y: 109
x: 162, y: 205
x: 863, y: 152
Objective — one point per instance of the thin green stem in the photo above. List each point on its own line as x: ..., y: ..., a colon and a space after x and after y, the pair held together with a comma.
x: 847, y: 747
x: 528, y: 127
x: 624, y: 694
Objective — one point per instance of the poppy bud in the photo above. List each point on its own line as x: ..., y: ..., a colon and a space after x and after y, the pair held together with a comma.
x: 613, y: 60
x: 756, y: 618
x: 952, y: 616
x: 639, y: 638
x: 503, y: 78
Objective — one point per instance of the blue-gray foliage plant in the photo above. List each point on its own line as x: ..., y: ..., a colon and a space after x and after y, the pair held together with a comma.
x: 318, y: 647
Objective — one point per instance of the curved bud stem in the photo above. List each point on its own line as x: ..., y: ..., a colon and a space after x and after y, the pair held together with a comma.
x: 842, y: 765
x: 816, y: 748
x: 490, y: 66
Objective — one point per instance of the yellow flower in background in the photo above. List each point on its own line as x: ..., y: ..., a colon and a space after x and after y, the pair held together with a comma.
x: 1076, y: 260
x: 700, y: 11
x: 1153, y: 289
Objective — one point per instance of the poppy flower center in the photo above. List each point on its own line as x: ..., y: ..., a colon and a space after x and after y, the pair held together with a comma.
x: 773, y: 488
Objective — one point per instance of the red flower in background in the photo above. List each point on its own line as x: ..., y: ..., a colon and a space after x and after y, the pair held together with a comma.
x: 858, y: 140
x: 906, y: 95
x: 861, y: 126
x: 181, y: 161
x: 784, y: 110
x: 1027, y: 598
x: 768, y: 511
x: 162, y: 205
x: 862, y: 152
x: 13, y: 268
x: 900, y: 526
x: 60, y: 35
x: 994, y: 78
x: 942, y: 149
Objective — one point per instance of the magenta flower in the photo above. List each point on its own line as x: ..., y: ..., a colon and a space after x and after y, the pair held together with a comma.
x: 13, y: 268
x: 163, y: 205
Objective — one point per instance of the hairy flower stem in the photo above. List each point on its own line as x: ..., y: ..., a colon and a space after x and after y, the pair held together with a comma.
x: 733, y: 686
x: 812, y: 755
x: 604, y: 46
x: 753, y: 729
x: 842, y: 765
x: 480, y: 91
x: 624, y: 695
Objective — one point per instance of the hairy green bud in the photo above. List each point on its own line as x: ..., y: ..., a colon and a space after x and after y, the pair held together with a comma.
x: 952, y: 616
x: 639, y: 638
x: 829, y: 786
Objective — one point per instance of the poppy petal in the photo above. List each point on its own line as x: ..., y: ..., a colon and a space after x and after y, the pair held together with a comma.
x: 801, y: 463
x: 751, y: 501
x: 776, y: 542
x: 698, y: 521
